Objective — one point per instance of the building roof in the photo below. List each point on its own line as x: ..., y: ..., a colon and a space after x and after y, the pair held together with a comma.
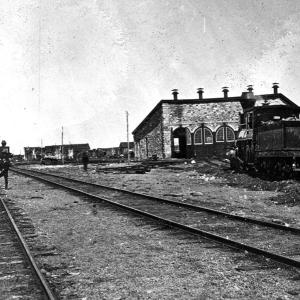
x: 247, y: 100
x: 76, y: 147
x: 31, y: 148
x: 185, y: 101
x: 70, y: 145
x: 270, y: 100
x: 124, y: 145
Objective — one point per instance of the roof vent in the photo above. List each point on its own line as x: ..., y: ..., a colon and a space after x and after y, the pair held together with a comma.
x: 225, y: 91
x: 175, y: 94
x: 275, y: 88
x: 200, y: 93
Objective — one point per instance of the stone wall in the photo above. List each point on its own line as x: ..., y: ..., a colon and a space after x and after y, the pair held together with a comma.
x: 148, y: 138
x: 195, y: 115
x: 154, y: 135
x: 190, y: 114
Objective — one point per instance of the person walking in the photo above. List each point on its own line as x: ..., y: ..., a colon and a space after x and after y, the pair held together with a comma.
x: 4, y: 166
x: 85, y: 160
x: 5, y: 156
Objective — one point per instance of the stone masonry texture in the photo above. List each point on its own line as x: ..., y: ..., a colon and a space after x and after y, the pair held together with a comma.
x: 154, y: 135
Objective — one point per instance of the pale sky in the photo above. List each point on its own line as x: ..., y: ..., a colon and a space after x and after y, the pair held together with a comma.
x: 82, y: 63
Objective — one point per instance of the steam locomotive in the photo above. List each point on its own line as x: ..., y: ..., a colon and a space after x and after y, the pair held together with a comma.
x: 269, y: 136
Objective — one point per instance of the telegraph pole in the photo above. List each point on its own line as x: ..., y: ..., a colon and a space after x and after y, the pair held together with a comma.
x: 62, y: 145
x: 127, y: 125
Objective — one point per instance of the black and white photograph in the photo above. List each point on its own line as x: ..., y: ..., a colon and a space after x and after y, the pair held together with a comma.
x: 150, y: 149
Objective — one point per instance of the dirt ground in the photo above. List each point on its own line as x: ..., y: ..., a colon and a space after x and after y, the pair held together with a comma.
x: 99, y: 252
x: 204, y: 184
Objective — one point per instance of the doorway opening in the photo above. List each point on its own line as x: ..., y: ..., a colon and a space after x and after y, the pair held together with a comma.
x: 179, y: 143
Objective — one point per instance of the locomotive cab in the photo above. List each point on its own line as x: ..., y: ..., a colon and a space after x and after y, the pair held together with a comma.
x: 269, y: 139
x: 245, y: 147
x: 245, y: 142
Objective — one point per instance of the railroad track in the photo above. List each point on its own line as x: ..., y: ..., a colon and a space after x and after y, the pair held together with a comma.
x: 20, y: 277
x: 275, y: 241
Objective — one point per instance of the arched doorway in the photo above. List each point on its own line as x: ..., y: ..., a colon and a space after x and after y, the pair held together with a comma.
x: 179, y: 143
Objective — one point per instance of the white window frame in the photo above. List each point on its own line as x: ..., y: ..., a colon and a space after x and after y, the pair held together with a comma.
x: 200, y: 130
x: 230, y: 129
x: 211, y: 134
x: 223, y: 129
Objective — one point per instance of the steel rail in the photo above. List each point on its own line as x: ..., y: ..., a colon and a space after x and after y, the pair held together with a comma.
x: 43, y: 283
x: 186, y: 205
x: 231, y: 243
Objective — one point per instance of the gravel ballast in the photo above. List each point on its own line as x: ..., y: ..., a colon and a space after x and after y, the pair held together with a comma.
x: 105, y: 253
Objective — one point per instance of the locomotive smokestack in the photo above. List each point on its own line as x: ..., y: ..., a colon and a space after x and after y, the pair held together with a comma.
x: 250, y: 88
x: 200, y: 93
x: 275, y: 87
x: 175, y: 93
x: 225, y: 91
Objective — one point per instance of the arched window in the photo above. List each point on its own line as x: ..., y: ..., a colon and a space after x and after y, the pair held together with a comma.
x: 220, y: 135
x: 208, y: 137
x: 198, y: 136
x: 230, y: 137
x: 188, y: 137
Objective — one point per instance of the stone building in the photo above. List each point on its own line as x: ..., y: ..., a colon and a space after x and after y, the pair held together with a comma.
x: 197, y: 128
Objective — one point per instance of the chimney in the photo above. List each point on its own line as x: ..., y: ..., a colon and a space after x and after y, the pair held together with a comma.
x: 275, y: 88
x: 200, y: 93
x: 249, y: 94
x: 175, y: 93
x: 225, y: 91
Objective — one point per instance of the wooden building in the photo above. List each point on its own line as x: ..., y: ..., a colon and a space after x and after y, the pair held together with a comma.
x: 70, y: 151
x: 33, y: 153
x: 124, y: 149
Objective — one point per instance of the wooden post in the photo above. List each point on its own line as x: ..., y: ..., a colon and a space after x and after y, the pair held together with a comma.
x: 62, y: 145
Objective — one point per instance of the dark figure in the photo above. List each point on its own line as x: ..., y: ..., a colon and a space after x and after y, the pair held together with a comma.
x: 5, y: 156
x: 4, y: 167
x: 85, y: 160
x: 235, y: 161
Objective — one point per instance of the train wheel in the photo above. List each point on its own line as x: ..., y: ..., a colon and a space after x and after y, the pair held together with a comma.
x: 279, y: 170
x: 263, y: 167
x: 288, y: 171
x: 270, y: 169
